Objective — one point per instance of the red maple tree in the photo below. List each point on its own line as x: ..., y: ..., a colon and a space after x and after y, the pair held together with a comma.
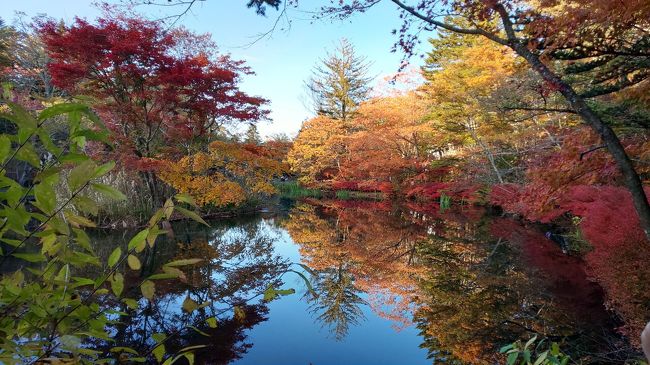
x: 161, y: 92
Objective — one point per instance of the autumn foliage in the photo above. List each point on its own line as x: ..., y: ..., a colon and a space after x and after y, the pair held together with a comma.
x: 165, y: 95
x: 154, y: 90
x: 225, y: 175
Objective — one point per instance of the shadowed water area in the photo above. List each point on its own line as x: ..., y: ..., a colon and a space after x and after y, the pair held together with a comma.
x: 375, y: 283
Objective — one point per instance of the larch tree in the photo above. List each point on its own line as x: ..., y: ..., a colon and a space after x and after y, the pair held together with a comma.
x: 462, y: 73
x: 252, y: 135
x: 339, y: 83
x: 6, y: 35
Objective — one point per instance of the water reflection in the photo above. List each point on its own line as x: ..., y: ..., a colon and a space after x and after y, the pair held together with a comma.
x: 469, y: 281
x: 239, y: 263
x: 338, y: 303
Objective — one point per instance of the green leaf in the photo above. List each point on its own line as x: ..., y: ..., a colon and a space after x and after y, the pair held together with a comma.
x: 109, y: 191
x: 77, y: 220
x: 30, y: 257
x: 21, y: 117
x: 117, y: 284
x: 85, y: 205
x: 103, y: 169
x: 212, y: 322
x: 74, y: 158
x: 177, y: 273
x: 63, y: 108
x: 82, y: 239
x: 183, y: 262
x: 124, y: 349
x: 199, y: 331
x: 70, y: 343
x: 512, y: 358
x: 163, y: 276
x: 159, y: 337
x: 159, y: 352
x: 138, y: 239
x: 270, y: 293
x: 81, y: 174
x: 114, y: 257
x: 148, y: 289
x: 50, y: 245
x: 541, y: 358
x: 131, y: 303
x: 186, y: 198
x: 190, y: 357
x: 168, y: 208
x: 87, y: 134
x: 555, y: 349
x: 155, y: 218
x: 5, y: 147
x: 45, y: 197
x: 82, y: 281
x: 530, y: 342
x: 154, y: 232
x: 14, y: 243
x: 189, y: 305
x: 28, y: 154
x: 134, y: 262
x: 58, y: 224
x: 191, y: 215
x: 46, y: 141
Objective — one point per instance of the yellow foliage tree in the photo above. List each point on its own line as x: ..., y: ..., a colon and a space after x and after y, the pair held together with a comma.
x: 228, y: 173
x: 460, y: 89
x: 318, y: 149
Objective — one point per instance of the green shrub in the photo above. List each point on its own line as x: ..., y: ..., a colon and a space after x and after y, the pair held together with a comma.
x: 534, y: 353
x: 48, y: 307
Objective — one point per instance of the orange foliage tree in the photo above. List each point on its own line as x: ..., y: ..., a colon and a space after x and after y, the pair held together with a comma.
x: 228, y: 173
x: 318, y: 148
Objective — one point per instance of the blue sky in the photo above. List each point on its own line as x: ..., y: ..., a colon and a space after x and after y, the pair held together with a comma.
x: 281, y: 62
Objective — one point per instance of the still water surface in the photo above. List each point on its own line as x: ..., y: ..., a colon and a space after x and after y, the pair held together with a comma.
x: 391, y: 285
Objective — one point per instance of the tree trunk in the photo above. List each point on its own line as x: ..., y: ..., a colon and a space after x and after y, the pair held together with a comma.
x: 577, y: 103
x: 150, y: 179
x: 486, y: 151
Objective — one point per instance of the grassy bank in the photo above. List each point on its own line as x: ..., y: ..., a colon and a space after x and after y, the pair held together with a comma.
x: 293, y: 190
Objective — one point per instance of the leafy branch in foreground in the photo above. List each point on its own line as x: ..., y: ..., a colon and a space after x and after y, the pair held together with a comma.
x: 54, y: 287
x: 531, y: 354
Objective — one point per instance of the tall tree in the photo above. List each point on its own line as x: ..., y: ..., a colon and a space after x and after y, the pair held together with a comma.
x: 339, y: 83
x: 252, y: 135
x: 6, y: 36
x: 462, y: 73
x: 532, y: 32
x: 157, y: 94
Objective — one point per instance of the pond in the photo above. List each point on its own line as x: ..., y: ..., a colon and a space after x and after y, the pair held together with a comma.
x: 375, y: 283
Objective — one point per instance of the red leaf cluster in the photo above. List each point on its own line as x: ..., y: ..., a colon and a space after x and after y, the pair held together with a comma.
x: 151, y: 90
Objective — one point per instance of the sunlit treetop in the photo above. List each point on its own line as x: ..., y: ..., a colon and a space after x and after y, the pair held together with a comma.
x: 154, y: 87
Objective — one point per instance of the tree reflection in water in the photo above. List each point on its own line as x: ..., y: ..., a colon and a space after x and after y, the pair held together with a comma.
x: 337, y: 305
x: 471, y: 282
x: 239, y: 263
